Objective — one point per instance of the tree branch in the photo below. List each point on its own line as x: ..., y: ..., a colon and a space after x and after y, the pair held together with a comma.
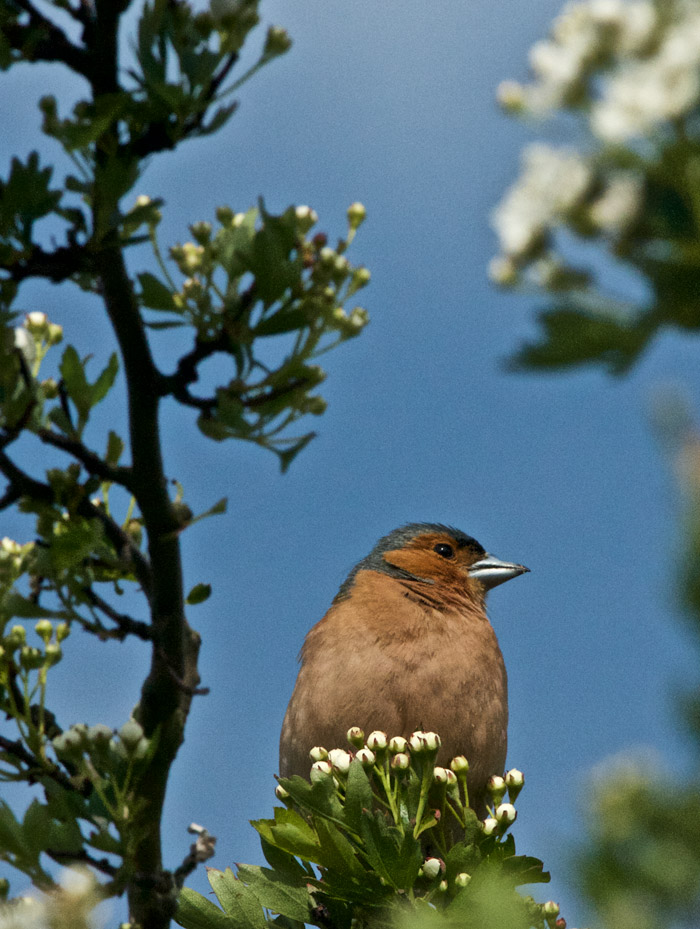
x: 36, y: 770
x: 42, y: 40
x: 93, y: 463
x: 22, y: 485
x: 126, y: 625
x: 58, y: 265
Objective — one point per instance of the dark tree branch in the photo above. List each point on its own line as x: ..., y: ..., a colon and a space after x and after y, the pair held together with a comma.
x: 126, y: 625
x: 57, y: 266
x: 82, y: 857
x: 25, y: 486
x: 93, y: 463
x: 35, y: 770
x: 42, y: 40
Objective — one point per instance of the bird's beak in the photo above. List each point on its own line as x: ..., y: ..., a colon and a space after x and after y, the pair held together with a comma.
x: 491, y: 571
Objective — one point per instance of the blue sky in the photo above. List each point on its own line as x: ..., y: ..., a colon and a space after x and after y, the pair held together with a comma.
x: 393, y: 104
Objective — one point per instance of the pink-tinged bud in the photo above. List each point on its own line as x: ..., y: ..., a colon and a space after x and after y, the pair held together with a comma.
x: 439, y: 775
x: 514, y: 782
x: 281, y: 793
x: 560, y: 923
x: 459, y: 764
x: 400, y: 762
x: 451, y: 778
x: 356, y: 736
x: 489, y: 825
x: 318, y: 753
x: 340, y: 760
x: 432, y: 867
x: 550, y: 908
x: 320, y: 770
x: 376, y: 741
x: 416, y: 742
x: 506, y: 814
x: 462, y: 879
x: 496, y: 786
x: 366, y: 757
x: 397, y: 744
x: 432, y: 741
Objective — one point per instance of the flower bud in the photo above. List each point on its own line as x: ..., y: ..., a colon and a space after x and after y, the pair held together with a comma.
x: 36, y: 322
x: 366, y: 757
x: 327, y: 257
x: 54, y: 334
x: 44, y: 630
x: 496, y: 786
x: 514, y: 782
x: 511, y: 96
x: 550, y: 909
x: 281, y: 793
x: 320, y: 770
x: 306, y: 217
x: 225, y: 215
x: 67, y: 744
x: 201, y: 232
x: 439, y: 775
x: 376, y: 741
x: 277, y: 41
x: 489, y: 825
x: 442, y: 886
x: 356, y: 736
x: 420, y: 741
x: 361, y: 277
x: 451, y: 778
x: 49, y: 387
x: 397, y: 744
x: 16, y: 638
x: 53, y: 653
x: 506, y: 814
x: 358, y: 318
x: 131, y: 734
x: 62, y: 631
x: 462, y: 879
x: 400, y: 762
x: 318, y: 753
x: 356, y: 215
x: 432, y: 867
x: 30, y: 658
x: 340, y: 759
x: 99, y: 735
x: 459, y: 764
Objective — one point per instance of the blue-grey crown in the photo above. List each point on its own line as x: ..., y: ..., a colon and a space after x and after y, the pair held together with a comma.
x: 397, y: 539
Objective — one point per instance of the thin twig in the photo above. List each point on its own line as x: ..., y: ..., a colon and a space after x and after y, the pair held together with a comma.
x: 126, y: 625
x: 93, y: 463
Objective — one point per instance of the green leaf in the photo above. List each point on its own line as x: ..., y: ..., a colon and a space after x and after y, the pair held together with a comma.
x: 291, y: 833
x: 336, y: 851
x: 358, y: 795
x: 155, y: 294
x: 22, y: 608
x: 524, y: 869
x: 287, y: 456
x: 196, y: 912
x: 198, y: 594
x: 281, y: 861
x: 276, y: 892
x: 284, y: 321
x: 319, y: 797
x: 115, y: 447
x: 237, y: 899
x: 394, y: 857
x: 104, y: 382
x: 73, y: 373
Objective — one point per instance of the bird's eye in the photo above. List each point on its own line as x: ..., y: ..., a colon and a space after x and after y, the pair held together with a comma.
x: 444, y: 550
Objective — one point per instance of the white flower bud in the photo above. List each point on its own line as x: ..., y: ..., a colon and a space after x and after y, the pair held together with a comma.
x: 356, y: 215
x: 131, y: 734
x: 459, y: 764
x: 400, y: 762
x: 318, y: 753
x: 506, y: 814
x: 366, y: 757
x: 496, y: 786
x: 320, y: 770
x: 340, y: 759
x: 37, y: 322
x: 431, y: 868
x: 439, y: 775
x: 44, y: 629
x: 376, y: 741
x: 489, y: 825
x: 550, y: 908
x: 355, y: 736
x: 397, y: 744
x: 451, y: 778
x: 306, y: 217
x: 462, y: 879
x: 281, y: 793
x: 515, y: 781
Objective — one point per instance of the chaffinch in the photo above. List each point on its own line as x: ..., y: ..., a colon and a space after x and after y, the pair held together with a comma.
x: 407, y: 645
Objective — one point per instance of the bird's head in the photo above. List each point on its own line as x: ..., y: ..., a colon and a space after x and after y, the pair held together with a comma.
x: 429, y: 553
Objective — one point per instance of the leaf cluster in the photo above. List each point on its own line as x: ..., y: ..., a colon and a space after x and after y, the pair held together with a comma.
x: 367, y: 842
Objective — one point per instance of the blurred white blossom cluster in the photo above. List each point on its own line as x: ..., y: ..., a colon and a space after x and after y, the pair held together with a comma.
x: 630, y: 71
x: 70, y: 905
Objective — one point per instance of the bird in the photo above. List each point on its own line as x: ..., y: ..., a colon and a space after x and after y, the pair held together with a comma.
x: 406, y: 645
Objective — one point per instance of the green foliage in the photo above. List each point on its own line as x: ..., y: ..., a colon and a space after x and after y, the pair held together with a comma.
x: 382, y: 837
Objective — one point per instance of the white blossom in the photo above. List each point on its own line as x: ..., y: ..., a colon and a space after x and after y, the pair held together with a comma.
x: 552, y: 183
x: 619, y: 203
